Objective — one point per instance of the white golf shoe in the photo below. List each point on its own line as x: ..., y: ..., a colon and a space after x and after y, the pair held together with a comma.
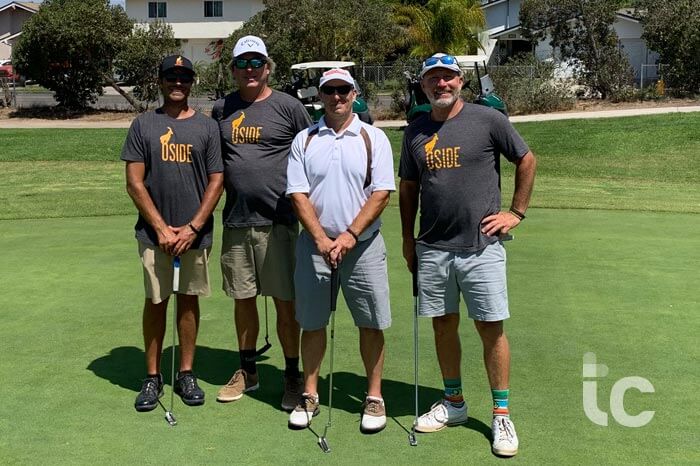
x: 505, y: 440
x: 373, y: 415
x: 442, y: 414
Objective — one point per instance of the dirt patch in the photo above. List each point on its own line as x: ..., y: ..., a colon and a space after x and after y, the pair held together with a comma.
x: 602, y: 105
x: 57, y: 113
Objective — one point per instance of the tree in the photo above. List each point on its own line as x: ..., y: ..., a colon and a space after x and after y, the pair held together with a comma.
x: 137, y: 63
x: 68, y: 47
x: 450, y: 26
x: 672, y: 28
x: 581, y: 32
x: 307, y: 30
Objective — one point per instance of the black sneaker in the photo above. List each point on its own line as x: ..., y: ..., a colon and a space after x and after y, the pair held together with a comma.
x: 151, y: 390
x: 186, y: 387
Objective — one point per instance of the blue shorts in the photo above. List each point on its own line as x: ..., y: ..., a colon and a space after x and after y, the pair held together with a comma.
x: 363, y: 279
x: 480, y: 276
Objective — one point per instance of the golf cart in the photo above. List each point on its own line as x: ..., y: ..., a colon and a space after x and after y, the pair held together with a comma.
x: 304, y: 86
x: 416, y: 103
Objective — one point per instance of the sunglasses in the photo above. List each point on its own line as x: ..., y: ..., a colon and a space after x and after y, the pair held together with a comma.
x: 182, y: 78
x: 242, y: 63
x: 445, y: 60
x: 341, y: 90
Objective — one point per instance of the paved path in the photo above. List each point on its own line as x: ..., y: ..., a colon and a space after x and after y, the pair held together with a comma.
x: 77, y: 123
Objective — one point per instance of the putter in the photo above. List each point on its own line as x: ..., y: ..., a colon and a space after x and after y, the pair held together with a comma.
x: 169, y: 416
x: 267, y: 344
x: 322, y: 442
x: 414, y: 276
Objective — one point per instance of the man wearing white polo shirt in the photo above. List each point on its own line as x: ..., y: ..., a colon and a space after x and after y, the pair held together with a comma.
x: 339, y: 177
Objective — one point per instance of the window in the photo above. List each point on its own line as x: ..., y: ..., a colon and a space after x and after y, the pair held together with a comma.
x: 157, y: 9
x: 213, y: 9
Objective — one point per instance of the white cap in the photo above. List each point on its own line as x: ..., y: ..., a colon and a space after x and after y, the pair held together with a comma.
x: 454, y: 66
x: 337, y: 73
x: 248, y: 44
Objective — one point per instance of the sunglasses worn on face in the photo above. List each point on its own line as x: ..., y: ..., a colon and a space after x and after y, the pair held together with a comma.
x: 242, y: 63
x: 445, y: 60
x: 341, y: 90
x: 182, y: 78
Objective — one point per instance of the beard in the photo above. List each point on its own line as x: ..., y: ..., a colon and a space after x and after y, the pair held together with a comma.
x: 445, y: 100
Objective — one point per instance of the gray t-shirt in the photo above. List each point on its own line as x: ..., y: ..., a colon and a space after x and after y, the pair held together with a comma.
x: 255, y: 140
x: 179, y: 156
x: 457, y: 164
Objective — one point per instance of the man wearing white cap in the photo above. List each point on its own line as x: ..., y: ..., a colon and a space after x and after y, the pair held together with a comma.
x: 339, y: 178
x: 257, y: 126
x: 450, y: 159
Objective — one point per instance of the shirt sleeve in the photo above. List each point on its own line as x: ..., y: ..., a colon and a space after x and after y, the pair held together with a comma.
x: 297, y: 182
x: 408, y: 168
x: 506, y: 139
x: 300, y: 117
x: 215, y: 163
x: 134, y: 149
x: 382, y: 164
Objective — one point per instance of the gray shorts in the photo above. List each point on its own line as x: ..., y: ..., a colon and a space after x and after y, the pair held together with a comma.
x: 363, y: 279
x: 480, y: 276
x: 259, y: 260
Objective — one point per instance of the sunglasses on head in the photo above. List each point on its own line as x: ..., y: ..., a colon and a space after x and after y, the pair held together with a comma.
x: 182, y: 78
x: 341, y: 90
x: 445, y: 60
x: 243, y: 63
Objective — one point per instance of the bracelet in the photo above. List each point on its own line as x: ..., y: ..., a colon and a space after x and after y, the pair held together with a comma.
x: 196, y: 232
x: 517, y: 213
x: 357, y: 239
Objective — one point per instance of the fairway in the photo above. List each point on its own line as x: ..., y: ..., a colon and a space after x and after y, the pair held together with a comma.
x: 605, y: 263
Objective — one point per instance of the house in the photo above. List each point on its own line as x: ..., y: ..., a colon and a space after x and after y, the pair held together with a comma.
x: 505, y: 39
x: 12, y: 16
x: 197, y: 23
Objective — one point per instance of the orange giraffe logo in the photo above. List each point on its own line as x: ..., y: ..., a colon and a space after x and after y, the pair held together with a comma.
x: 237, y: 122
x: 165, y: 139
x: 178, y: 61
x: 430, y: 145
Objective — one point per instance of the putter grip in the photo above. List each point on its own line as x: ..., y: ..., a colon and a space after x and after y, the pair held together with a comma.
x: 176, y: 274
x: 414, y: 276
x: 334, y: 288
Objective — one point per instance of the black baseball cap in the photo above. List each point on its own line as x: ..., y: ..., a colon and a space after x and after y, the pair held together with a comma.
x: 175, y: 62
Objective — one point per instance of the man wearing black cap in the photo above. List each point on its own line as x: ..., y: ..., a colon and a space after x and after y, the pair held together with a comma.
x: 257, y: 126
x: 174, y: 176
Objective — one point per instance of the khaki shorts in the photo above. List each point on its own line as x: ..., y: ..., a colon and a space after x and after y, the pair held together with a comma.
x: 158, y: 272
x: 259, y: 260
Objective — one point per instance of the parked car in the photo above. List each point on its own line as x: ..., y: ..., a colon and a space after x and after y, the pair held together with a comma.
x: 8, y: 71
x: 304, y: 86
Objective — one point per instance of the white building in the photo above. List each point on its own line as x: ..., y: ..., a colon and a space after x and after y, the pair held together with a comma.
x: 197, y: 23
x: 12, y: 18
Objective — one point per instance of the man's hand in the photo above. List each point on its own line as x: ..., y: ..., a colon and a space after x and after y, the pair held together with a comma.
x: 184, y: 237
x: 409, y: 252
x: 341, y: 246
x: 325, y: 245
x: 499, y: 223
x: 166, y: 239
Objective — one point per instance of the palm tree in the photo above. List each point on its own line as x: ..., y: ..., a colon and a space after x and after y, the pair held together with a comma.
x: 450, y: 26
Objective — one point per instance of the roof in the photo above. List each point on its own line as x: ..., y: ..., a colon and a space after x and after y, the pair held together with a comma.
x: 323, y: 64
x: 27, y: 6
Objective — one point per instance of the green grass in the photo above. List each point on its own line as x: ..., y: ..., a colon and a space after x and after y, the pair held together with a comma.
x: 619, y: 279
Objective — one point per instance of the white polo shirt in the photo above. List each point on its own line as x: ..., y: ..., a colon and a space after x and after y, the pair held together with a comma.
x: 333, y: 169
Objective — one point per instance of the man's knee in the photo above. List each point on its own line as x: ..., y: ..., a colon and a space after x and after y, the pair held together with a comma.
x: 489, y: 331
x: 446, y: 325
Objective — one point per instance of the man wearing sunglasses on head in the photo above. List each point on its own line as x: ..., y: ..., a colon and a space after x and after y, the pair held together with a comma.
x: 174, y: 176
x: 339, y: 178
x: 257, y: 126
x: 450, y: 159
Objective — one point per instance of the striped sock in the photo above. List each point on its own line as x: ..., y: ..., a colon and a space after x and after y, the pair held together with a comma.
x: 500, y: 402
x: 453, y: 392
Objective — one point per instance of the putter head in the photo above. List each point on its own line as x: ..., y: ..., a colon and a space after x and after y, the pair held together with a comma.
x: 412, y: 439
x: 324, y: 445
x: 264, y: 349
x: 170, y: 418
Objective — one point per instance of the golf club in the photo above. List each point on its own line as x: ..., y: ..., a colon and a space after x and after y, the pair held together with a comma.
x: 322, y: 442
x: 414, y: 277
x: 267, y: 344
x: 169, y: 416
